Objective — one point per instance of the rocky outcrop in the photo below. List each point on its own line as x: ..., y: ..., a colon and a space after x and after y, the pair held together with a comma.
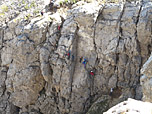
x: 100, y: 105
x: 131, y: 106
x: 146, y: 79
x: 41, y: 71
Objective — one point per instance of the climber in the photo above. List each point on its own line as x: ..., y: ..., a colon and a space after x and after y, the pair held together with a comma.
x: 72, y: 57
x: 81, y: 59
x: 59, y: 27
x: 51, y: 5
x: 42, y: 13
x: 69, y: 54
x: 84, y: 62
x: 111, y: 90
x: 91, y: 73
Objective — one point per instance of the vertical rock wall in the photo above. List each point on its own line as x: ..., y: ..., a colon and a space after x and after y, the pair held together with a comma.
x: 38, y: 77
x: 145, y: 81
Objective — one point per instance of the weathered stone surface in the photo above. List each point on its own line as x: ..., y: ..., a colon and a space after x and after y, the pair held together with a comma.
x: 3, y: 76
x: 147, y: 68
x: 26, y: 87
x: 144, y: 28
x: 21, y: 56
x: 100, y: 105
x: 146, y: 80
x: 41, y: 78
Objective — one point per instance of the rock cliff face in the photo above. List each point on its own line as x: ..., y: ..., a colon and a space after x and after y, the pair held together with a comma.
x: 146, y: 80
x: 41, y: 72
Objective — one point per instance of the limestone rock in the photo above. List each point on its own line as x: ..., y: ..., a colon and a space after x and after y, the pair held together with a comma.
x: 42, y: 57
x: 131, y: 106
x: 3, y: 74
x: 143, y: 28
x: 146, y: 80
x: 147, y: 68
x: 26, y: 87
x: 100, y: 105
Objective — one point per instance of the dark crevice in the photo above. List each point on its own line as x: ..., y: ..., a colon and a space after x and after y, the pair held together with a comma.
x: 136, y: 35
x: 89, y: 101
x: 36, y: 111
x: 138, y: 16
x: 116, y: 92
x: 74, y: 62
x: 94, y: 34
x: 17, y: 110
x: 4, y: 86
x: 119, y: 38
x: 138, y: 47
x: 43, y: 90
x: 119, y: 23
x: 87, y: 104
x: 58, y: 33
x: 55, y: 93
x: 91, y: 78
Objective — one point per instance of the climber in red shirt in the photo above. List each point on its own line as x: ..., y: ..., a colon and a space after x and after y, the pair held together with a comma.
x: 91, y: 73
x: 69, y: 53
x: 59, y: 27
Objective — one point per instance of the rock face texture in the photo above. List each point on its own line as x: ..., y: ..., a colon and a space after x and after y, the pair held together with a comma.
x: 41, y: 67
x: 131, y: 106
x: 146, y: 80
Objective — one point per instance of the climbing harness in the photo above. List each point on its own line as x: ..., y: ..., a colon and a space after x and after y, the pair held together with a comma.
x: 84, y: 62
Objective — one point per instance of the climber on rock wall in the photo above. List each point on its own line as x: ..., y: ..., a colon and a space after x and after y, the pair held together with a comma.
x: 59, y: 27
x: 51, y: 4
x: 111, y: 90
x: 42, y: 13
x: 91, y: 73
x: 80, y: 59
x: 84, y: 62
x: 68, y: 54
x: 72, y: 57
